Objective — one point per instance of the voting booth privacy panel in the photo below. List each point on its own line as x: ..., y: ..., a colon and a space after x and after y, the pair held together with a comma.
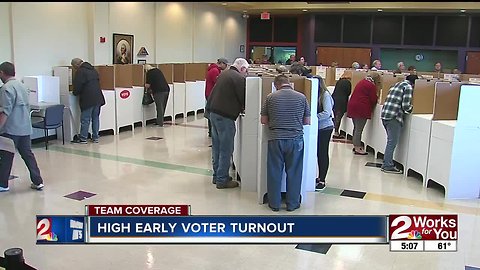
x: 251, y: 140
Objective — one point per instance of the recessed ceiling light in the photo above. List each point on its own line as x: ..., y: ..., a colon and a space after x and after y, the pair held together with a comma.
x: 304, y: 10
x: 379, y: 10
x: 224, y: 4
x: 462, y: 10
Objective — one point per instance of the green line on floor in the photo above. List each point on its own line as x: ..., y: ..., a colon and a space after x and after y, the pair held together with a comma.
x: 149, y: 163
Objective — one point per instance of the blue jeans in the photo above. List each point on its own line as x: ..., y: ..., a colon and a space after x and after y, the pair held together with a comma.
x: 93, y: 114
x: 284, y: 154
x: 223, y: 133
x: 393, y: 128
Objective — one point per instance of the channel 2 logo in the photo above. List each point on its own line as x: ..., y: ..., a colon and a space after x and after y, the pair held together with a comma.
x: 423, y: 227
x: 44, y: 230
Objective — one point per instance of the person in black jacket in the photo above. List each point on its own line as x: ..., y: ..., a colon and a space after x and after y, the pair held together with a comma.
x: 343, y: 89
x: 156, y: 82
x: 86, y: 85
x: 224, y: 104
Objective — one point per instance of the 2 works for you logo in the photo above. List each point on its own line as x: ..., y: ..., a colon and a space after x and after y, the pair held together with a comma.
x: 423, y: 227
x: 60, y: 229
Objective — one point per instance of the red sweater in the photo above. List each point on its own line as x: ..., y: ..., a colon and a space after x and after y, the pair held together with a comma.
x: 363, y: 100
x: 211, y: 78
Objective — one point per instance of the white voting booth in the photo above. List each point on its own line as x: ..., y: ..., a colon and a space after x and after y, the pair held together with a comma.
x: 42, y: 89
x: 452, y: 159
x: 251, y: 140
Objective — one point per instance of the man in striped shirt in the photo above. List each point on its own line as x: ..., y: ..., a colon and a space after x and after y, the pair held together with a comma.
x: 285, y: 111
x: 397, y: 104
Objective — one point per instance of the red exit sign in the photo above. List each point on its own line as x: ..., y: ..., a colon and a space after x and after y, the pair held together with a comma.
x: 265, y: 16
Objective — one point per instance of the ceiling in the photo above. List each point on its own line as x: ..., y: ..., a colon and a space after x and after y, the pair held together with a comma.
x: 344, y: 6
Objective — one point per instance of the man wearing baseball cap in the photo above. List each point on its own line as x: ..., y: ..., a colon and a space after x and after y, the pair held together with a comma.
x: 211, y: 78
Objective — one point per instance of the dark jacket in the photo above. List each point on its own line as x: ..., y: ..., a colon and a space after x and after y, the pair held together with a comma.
x: 228, y: 95
x: 211, y: 78
x: 157, y: 81
x: 343, y: 89
x: 86, y: 85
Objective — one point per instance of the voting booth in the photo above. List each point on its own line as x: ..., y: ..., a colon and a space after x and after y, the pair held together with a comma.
x: 43, y: 89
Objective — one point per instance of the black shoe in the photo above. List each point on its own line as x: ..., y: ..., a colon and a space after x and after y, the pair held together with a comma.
x: 215, y: 182
x: 274, y: 209
x: 80, y: 141
x: 228, y: 184
x: 289, y: 209
x: 320, y: 186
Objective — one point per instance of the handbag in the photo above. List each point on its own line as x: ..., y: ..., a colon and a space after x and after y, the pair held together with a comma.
x: 147, y: 98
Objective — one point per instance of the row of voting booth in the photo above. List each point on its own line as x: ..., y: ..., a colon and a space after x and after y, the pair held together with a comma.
x: 438, y: 140
x: 123, y: 88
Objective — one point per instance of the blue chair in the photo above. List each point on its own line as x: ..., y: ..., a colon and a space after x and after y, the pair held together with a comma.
x: 53, y: 119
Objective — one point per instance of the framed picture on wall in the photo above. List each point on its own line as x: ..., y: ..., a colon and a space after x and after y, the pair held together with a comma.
x: 122, y: 49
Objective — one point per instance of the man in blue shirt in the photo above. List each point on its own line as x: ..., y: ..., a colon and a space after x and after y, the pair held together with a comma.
x: 15, y: 122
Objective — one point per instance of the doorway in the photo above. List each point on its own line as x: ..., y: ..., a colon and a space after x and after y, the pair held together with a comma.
x: 271, y: 55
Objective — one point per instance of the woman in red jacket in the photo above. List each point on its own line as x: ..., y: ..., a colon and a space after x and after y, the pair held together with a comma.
x: 360, y: 107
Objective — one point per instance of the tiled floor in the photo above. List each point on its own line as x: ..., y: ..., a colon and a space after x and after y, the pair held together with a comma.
x: 128, y: 169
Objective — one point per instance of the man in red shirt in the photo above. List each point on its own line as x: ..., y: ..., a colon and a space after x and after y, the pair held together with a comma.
x: 211, y: 78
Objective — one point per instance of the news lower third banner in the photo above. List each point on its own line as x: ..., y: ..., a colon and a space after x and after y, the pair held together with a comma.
x: 213, y: 229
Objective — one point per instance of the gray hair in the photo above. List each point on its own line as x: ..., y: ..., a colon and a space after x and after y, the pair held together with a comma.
x: 239, y: 63
x: 399, y: 64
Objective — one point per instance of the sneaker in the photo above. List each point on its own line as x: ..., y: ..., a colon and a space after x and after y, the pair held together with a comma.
x: 80, y: 141
x: 37, y: 187
x: 95, y: 141
x: 320, y: 186
x: 338, y: 136
x: 228, y: 184
x: 4, y: 189
x: 393, y: 170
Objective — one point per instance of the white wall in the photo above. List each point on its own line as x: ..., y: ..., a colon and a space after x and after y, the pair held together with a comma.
x: 174, y: 30
x: 207, y: 33
x: 47, y: 35
x: 234, y: 35
x: 39, y: 36
x: 137, y: 19
x: 102, y: 52
x: 6, y: 43
x: 198, y: 32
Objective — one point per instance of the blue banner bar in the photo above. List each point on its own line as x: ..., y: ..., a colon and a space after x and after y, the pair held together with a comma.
x: 373, y: 229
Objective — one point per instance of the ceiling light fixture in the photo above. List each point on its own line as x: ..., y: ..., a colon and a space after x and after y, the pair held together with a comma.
x: 224, y: 4
x: 462, y: 10
x: 379, y: 10
x: 304, y: 10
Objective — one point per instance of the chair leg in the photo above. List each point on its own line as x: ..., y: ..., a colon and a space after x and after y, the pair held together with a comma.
x: 46, y: 139
x: 63, y: 134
